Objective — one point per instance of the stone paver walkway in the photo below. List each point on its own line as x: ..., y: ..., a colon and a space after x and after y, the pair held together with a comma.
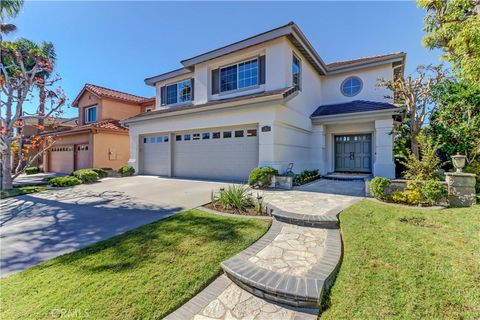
x: 294, y: 251
x: 283, y: 275
x: 234, y: 303
x: 311, y: 203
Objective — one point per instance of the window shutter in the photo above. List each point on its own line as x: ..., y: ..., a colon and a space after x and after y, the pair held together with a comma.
x: 215, y: 81
x: 261, y: 69
x: 192, y: 85
x: 163, y: 96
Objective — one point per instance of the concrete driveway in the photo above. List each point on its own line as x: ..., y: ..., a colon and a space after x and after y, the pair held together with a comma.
x: 44, y: 225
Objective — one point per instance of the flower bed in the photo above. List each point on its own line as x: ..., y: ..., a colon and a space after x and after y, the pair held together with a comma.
x: 410, y: 192
x: 237, y: 200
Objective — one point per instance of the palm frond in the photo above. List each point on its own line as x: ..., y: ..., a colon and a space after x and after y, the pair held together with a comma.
x: 10, y: 8
x: 6, y: 28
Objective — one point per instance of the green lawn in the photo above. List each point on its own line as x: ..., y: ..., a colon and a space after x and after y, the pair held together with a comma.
x: 21, y: 190
x: 403, y: 263
x: 143, y: 274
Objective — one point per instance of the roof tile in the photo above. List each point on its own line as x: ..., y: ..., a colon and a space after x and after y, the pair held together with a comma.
x: 345, y: 63
x: 113, y: 94
x: 351, y: 107
x: 113, y: 125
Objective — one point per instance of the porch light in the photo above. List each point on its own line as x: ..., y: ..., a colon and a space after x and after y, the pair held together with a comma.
x: 459, y: 162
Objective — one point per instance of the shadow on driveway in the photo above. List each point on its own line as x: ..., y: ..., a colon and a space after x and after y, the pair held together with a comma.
x: 41, y: 226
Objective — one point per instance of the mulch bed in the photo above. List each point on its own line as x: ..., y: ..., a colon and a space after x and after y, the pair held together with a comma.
x: 249, y: 212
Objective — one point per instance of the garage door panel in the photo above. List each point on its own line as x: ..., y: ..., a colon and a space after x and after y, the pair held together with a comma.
x: 82, y: 157
x: 155, y: 155
x: 224, y: 158
x: 61, y: 159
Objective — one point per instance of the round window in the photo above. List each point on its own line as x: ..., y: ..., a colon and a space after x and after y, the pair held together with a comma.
x: 351, y: 86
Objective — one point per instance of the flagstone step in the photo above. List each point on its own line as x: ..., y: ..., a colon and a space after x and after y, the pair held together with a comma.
x: 324, y: 220
x: 291, y: 264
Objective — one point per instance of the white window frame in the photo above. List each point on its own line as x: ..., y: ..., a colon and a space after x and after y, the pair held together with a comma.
x: 220, y: 92
x: 348, y: 78
x: 299, y: 72
x: 178, y: 93
x: 86, y: 114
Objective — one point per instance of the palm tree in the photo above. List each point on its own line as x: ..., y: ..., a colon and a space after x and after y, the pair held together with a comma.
x: 49, y: 51
x: 8, y: 9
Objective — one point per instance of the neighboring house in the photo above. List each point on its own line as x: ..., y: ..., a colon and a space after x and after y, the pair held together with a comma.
x: 31, y: 129
x: 268, y: 100
x: 99, y: 140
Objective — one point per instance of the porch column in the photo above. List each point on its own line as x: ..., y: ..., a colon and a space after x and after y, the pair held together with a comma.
x: 319, y: 148
x: 134, y: 151
x: 384, y: 165
x: 266, y: 154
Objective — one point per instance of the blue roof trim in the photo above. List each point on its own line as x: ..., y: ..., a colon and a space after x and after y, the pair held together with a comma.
x: 351, y: 107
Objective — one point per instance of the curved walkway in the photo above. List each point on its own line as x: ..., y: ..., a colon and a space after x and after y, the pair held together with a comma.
x: 284, y: 274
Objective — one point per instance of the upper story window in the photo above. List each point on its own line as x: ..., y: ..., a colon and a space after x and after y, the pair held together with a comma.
x: 351, y: 86
x: 296, y: 72
x: 239, y: 76
x: 179, y: 92
x: 91, y: 114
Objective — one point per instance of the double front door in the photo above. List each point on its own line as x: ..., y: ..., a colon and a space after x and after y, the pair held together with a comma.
x: 353, y: 153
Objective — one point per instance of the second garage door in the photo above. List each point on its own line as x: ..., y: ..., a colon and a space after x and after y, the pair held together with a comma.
x: 156, y: 155
x: 220, y: 153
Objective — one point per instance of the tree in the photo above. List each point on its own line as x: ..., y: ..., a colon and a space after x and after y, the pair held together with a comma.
x: 415, y: 93
x: 10, y: 9
x: 454, y: 26
x: 48, y: 51
x: 455, y: 124
x: 22, y: 65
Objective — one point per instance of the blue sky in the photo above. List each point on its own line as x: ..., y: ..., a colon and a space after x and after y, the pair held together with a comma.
x: 119, y: 44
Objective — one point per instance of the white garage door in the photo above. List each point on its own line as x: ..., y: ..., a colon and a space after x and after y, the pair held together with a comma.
x: 156, y: 155
x: 61, y: 159
x: 220, y: 153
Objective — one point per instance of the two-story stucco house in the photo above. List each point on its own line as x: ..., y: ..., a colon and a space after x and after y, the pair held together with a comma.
x: 99, y: 140
x: 268, y: 100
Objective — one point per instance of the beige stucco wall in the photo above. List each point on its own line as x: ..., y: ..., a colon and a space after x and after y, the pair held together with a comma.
x: 110, y: 150
x: 87, y: 100
x: 106, y: 108
x: 112, y: 109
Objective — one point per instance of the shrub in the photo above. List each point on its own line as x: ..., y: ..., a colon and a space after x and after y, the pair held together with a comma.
x: 32, y: 170
x: 399, y: 196
x: 64, y: 181
x: 126, y: 171
x: 433, y: 191
x: 414, y: 197
x: 378, y: 187
x: 102, y: 173
x: 306, y: 176
x: 262, y: 177
x: 236, y: 198
x: 474, y: 167
x: 427, y: 167
x: 86, y: 175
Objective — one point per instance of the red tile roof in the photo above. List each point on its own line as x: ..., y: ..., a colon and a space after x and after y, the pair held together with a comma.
x: 107, y: 125
x: 103, y: 92
x: 346, y: 63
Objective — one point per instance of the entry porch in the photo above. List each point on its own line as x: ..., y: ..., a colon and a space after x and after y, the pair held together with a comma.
x: 353, y: 145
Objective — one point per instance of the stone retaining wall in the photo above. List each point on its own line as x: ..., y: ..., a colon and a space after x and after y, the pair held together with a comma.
x: 460, y: 188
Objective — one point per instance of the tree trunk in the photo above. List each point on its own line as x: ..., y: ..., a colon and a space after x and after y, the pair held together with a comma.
x: 414, y: 144
x: 7, y: 181
x: 19, y: 152
x: 41, y: 105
